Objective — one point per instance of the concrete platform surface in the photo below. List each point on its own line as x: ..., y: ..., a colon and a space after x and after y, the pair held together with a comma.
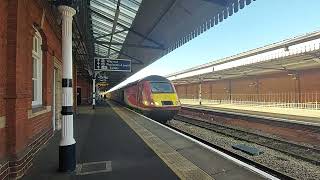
x: 306, y: 116
x: 116, y: 143
x: 112, y: 149
x: 183, y: 155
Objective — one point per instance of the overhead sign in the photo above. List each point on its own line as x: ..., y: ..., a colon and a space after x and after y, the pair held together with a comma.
x: 102, y: 84
x: 106, y: 64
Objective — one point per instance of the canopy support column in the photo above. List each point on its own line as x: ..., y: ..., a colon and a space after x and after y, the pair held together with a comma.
x: 67, y: 148
x: 200, y: 92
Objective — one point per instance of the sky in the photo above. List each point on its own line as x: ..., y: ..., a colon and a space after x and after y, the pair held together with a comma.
x: 261, y: 23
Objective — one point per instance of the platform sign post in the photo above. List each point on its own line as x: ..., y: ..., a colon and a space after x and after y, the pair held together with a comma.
x: 107, y: 64
x: 94, y: 91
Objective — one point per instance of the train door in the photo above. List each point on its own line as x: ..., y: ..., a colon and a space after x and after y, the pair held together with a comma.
x: 139, y: 94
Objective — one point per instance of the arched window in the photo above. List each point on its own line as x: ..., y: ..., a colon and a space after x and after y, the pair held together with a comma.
x: 36, y: 69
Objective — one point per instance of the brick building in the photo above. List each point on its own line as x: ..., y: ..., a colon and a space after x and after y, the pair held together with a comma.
x: 243, y: 88
x: 30, y: 84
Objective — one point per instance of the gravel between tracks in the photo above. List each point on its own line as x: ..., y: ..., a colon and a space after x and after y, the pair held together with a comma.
x: 271, y: 158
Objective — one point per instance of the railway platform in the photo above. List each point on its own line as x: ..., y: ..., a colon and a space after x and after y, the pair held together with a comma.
x: 106, y: 149
x: 114, y: 142
x: 300, y: 116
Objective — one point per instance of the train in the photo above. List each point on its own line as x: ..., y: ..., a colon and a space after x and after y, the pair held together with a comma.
x: 153, y: 96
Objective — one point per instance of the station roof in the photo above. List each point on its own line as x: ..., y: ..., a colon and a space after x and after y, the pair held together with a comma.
x: 146, y: 30
x: 290, y: 55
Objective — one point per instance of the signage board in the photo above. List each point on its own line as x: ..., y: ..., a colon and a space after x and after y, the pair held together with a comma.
x: 102, y: 84
x: 107, y: 64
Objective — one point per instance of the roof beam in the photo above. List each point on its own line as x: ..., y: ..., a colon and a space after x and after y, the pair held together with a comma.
x: 115, y: 20
x: 127, y: 45
x: 218, y: 2
x: 106, y: 35
x: 267, y: 68
x: 125, y: 27
x: 137, y: 60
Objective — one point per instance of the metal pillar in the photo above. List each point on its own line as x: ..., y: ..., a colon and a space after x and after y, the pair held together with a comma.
x: 200, y: 92
x: 93, y: 91
x: 67, y: 148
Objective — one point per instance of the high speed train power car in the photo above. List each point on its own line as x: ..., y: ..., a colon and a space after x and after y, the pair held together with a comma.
x: 154, y: 96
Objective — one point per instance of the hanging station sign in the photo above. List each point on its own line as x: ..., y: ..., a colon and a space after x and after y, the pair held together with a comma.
x: 107, y: 64
x: 102, y: 84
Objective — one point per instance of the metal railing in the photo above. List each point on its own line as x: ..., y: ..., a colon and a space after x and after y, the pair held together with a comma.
x: 307, y: 100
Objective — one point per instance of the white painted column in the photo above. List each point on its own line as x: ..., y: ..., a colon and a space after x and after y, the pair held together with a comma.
x: 93, y: 92
x: 67, y: 148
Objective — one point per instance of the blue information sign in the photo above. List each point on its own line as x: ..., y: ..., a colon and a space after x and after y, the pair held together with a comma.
x: 106, y: 64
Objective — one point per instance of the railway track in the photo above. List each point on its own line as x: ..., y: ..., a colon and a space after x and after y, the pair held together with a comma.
x: 260, y: 166
x: 278, y: 122
x: 296, y: 150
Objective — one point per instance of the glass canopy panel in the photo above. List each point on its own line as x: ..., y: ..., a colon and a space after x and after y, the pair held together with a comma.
x: 102, y: 21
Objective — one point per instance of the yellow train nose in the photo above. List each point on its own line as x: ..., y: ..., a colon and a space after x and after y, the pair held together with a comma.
x: 165, y: 99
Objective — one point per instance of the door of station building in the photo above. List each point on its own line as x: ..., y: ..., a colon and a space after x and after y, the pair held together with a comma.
x: 78, y: 96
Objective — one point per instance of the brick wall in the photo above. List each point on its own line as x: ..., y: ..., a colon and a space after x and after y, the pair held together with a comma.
x: 192, y: 91
x: 276, y: 83
x: 279, y: 84
x: 3, y: 56
x: 309, y: 82
x: 26, y: 129
x: 86, y: 90
x: 181, y: 91
x: 220, y: 89
x: 206, y: 90
x: 242, y: 86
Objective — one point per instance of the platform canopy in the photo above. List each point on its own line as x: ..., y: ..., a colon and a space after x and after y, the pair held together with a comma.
x: 145, y: 30
x: 289, y: 56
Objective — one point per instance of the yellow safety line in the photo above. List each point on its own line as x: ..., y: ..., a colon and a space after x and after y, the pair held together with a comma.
x: 181, y: 166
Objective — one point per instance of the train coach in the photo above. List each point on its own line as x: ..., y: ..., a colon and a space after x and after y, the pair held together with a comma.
x: 154, y: 96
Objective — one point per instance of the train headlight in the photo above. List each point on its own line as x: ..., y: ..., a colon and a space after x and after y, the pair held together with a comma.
x: 145, y: 103
x: 156, y: 103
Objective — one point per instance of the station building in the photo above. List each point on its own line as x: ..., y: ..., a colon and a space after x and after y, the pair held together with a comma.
x: 30, y: 84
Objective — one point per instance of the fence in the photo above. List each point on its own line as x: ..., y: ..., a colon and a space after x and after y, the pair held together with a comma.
x: 308, y: 100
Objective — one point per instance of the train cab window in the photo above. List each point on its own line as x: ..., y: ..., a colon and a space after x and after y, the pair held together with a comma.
x: 36, y: 69
x: 161, y: 87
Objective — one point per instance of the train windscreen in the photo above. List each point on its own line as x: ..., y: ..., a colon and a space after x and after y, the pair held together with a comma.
x: 161, y: 87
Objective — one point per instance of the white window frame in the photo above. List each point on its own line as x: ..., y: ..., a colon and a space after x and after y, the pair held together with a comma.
x: 37, y: 56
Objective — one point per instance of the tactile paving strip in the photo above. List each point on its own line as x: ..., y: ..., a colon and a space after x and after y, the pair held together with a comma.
x: 178, y: 163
